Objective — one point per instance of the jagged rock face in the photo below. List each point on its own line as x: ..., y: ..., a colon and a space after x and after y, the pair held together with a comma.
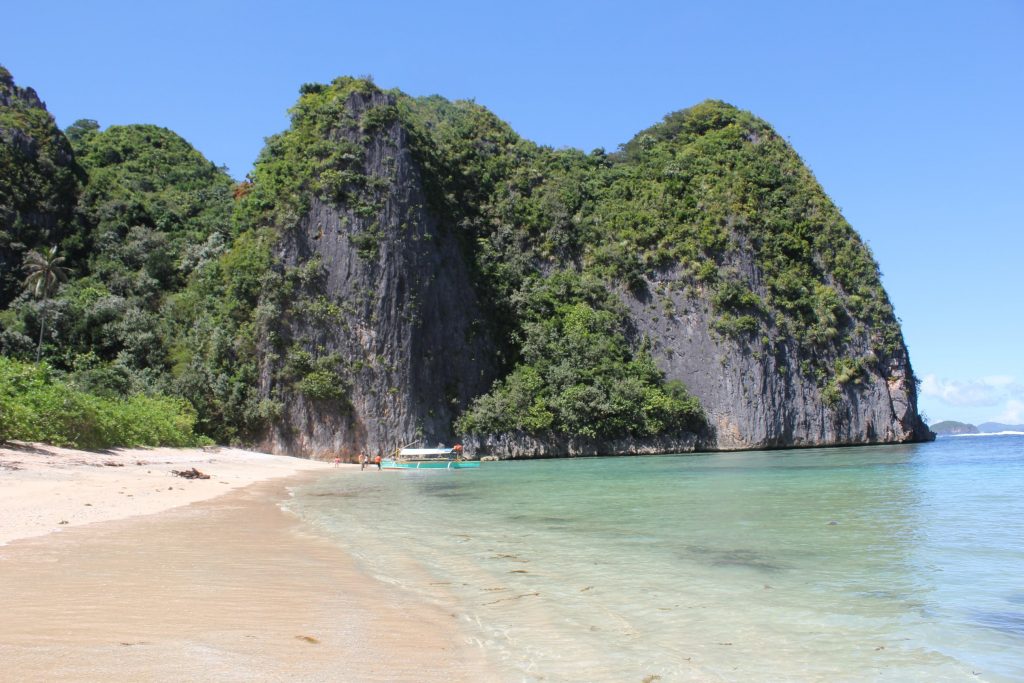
x: 757, y: 395
x: 519, y: 445
x: 401, y: 325
x: 404, y: 324
x: 38, y: 180
x: 378, y: 225
x: 754, y: 394
x: 806, y: 351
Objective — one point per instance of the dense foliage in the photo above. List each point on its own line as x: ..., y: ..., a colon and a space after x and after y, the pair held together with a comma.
x: 37, y: 404
x: 178, y: 288
x: 152, y: 211
x: 712, y: 180
x: 578, y: 374
x: 137, y: 211
x: 39, y: 183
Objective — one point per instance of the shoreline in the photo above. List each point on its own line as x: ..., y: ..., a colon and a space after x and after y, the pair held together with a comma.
x: 232, y: 587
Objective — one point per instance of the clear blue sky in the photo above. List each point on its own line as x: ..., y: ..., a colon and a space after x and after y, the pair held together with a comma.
x: 909, y: 113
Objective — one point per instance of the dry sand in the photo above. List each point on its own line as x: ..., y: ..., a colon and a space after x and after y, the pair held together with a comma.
x: 45, y: 488
x: 228, y: 589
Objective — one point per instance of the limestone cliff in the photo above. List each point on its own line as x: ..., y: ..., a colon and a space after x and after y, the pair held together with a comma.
x: 384, y: 306
x: 411, y: 240
x: 402, y: 270
x: 757, y: 392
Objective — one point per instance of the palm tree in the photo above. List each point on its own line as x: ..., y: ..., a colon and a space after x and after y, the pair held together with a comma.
x: 45, y: 271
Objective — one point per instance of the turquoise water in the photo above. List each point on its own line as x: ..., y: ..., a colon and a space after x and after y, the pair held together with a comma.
x: 883, y: 563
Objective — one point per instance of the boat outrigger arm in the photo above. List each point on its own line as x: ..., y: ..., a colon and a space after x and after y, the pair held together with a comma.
x: 427, y: 453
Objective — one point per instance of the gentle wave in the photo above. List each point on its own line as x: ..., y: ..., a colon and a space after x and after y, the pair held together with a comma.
x: 988, y: 434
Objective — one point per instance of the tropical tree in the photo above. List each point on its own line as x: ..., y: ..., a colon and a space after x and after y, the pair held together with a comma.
x: 45, y: 272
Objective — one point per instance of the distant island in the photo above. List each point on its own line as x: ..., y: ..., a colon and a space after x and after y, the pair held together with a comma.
x: 952, y: 428
x: 993, y: 427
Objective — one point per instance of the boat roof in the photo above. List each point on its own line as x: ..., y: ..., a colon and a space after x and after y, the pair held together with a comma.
x: 426, y: 451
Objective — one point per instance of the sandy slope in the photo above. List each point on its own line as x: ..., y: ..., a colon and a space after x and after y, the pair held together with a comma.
x: 228, y: 589
x: 45, y: 488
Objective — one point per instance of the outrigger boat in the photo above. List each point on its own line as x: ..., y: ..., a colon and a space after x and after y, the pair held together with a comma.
x: 428, y: 459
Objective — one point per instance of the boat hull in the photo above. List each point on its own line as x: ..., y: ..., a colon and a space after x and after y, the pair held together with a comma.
x: 389, y: 464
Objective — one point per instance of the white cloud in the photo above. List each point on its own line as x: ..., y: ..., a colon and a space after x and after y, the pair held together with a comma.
x: 998, y: 380
x: 976, y: 392
x: 1014, y: 413
x: 977, y: 399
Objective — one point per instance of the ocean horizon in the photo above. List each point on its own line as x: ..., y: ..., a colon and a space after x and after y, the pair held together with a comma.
x: 886, y: 562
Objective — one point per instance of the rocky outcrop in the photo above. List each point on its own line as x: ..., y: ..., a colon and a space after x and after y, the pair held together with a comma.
x: 382, y: 340
x: 390, y: 257
x: 757, y: 392
x: 519, y: 445
x: 395, y: 304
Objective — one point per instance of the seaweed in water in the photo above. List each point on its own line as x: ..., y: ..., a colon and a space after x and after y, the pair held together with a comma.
x: 517, y: 597
x: 738, y: 557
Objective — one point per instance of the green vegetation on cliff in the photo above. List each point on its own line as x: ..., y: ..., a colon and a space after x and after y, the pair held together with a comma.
x: 711, y: 180
x: 578, y: 374
x: 39, y: 183
x: 136, y: 211
x: 574, y: 368
x: 180, y: 286
x: 682, y: 198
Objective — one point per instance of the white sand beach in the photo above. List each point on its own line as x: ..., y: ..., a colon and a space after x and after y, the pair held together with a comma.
x: 44, y: 488
x: 221, y: 585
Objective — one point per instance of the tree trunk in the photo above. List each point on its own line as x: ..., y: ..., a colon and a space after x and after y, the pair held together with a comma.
x: 42, y: 327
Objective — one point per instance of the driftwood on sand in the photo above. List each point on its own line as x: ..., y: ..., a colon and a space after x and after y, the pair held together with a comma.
x: 190, y: 474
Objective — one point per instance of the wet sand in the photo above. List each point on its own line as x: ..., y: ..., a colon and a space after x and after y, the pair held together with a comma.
x: 229, y: 589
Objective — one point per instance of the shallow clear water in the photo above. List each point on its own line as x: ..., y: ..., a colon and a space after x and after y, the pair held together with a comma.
x: 882, y: 563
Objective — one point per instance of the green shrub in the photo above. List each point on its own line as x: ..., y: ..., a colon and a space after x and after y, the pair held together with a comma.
x: 36, y: 405
x: 578, y: 374
x: 321, y: 385
x: 830, y: 395
x: 735, y: 326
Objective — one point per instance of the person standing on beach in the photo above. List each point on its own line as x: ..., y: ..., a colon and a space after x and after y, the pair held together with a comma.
x: 377, y: 460
x: 362, y: 461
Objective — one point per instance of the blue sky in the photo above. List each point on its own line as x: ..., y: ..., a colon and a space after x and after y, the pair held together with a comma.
x: 909, y: 113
